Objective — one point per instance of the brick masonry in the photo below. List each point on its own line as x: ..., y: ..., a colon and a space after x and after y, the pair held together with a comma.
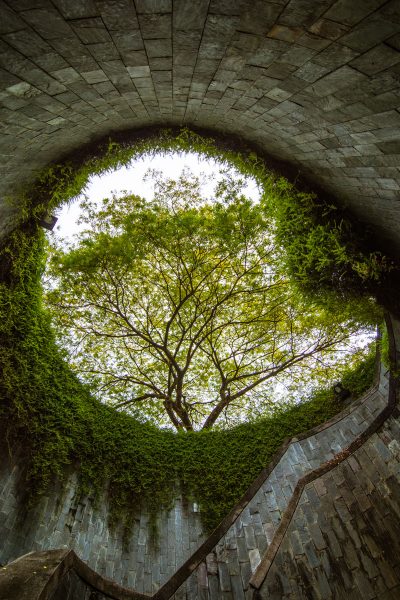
x: 315, y: 84
x: 227, y: 570
x: 61, y: 521
x: 344, y: 539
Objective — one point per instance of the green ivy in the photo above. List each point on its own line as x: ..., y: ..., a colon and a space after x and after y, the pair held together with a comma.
x: 45, y: 407
x: 48, y: 409
x: 322, y: 251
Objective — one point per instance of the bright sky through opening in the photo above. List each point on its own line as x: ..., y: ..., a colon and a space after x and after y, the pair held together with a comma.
x: 130, y: 179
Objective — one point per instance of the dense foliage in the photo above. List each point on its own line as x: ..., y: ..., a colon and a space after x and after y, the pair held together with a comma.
x: 45, y: 407
x: 323, y: 252
x: 178, y: 309
x: 60, y: 423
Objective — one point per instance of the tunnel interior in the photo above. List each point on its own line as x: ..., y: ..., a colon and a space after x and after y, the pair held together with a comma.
x: 313, y: 89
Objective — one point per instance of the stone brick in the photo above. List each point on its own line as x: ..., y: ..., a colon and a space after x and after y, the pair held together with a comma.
x: 284, y: 75
x: 155, y: 26
x: 153, y: 6
x: 48, y: 23
x: 377, y: 59
x: 27, y: 42
x: 329, y: 29
x: 369, y: 33
x: 349, y: 13
x: 158, y: 48
x: 334, y: 56
x: 91, y: 31
x: 77, y: 9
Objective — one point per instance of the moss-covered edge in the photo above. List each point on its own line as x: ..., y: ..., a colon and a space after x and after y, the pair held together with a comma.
x: 60, y: 423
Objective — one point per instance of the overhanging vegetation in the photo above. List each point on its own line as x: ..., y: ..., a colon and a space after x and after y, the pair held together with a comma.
x: 45, y: 405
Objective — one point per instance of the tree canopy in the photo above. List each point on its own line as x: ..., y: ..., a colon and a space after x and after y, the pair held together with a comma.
x: 178, y: 309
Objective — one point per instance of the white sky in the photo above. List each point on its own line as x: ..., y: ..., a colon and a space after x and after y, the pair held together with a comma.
x: 130, y: 179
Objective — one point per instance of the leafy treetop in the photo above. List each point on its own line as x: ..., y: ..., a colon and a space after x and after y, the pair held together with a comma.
x: 178, y: 309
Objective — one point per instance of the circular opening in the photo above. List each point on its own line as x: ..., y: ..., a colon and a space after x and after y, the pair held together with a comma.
x: 48, y: 408
x: 178, y: 308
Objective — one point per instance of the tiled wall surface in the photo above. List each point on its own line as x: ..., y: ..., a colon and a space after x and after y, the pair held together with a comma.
x: 314, y: 83
x: 227, y: 570
x: 61, y: 521
x: 344, y: 539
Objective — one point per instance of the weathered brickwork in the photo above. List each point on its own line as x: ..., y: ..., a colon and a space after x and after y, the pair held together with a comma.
x: 227, y: 570
x: 314, y: 83
x: 61, y: 521
x: 344, y: 539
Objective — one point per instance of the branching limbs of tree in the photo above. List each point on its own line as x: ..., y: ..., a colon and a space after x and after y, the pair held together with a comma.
x: 179, y: 308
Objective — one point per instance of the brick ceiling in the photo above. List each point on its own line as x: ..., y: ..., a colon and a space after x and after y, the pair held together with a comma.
x: 314, y: 83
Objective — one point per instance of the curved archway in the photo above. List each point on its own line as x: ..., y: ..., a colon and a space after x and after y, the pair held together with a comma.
x: 313, y: 85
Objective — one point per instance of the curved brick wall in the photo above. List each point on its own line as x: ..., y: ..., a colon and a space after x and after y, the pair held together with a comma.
x: 234, y: 559
x: 343, y: 538
x: 322, y: 521
x: 60, y: 520
x: 314, y: 83
x: 64, y: 520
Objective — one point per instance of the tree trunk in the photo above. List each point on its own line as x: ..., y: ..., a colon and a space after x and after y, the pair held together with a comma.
x: 217, y: 410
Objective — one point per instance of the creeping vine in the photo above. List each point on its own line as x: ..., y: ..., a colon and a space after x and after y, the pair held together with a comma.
x: 46, y: 408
